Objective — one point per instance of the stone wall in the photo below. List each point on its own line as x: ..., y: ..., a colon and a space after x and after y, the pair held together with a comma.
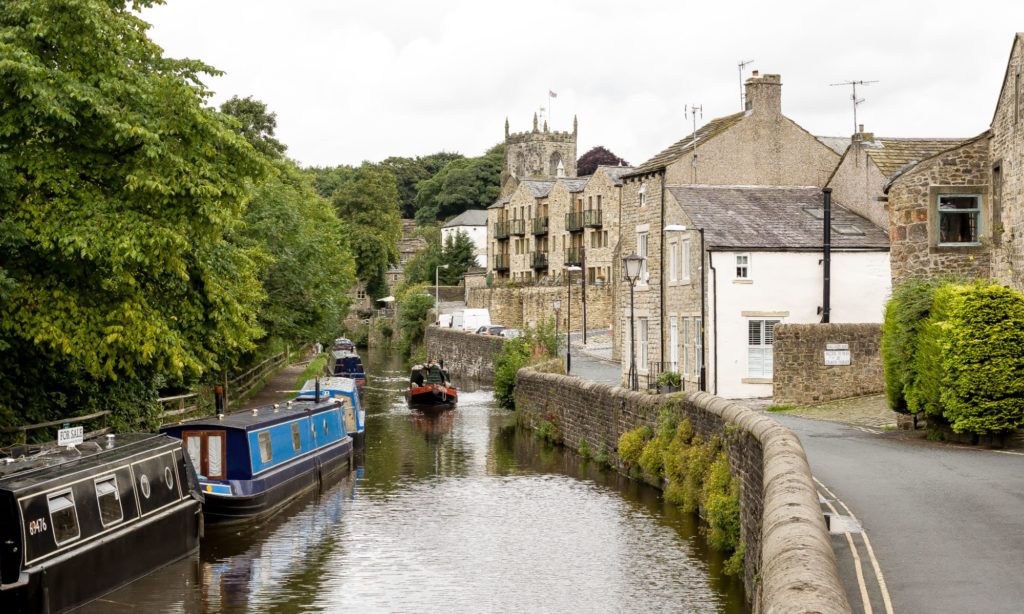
x: 790, y: 565
x: 526, y: 306
x: 448, y: 293
x: 466, y: 355
x: 800, y: 374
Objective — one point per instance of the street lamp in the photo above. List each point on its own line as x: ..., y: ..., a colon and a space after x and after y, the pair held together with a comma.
x: 632, y: 264
x: 703, y: 307
x: 437, y: 293
x: 557, y: 305
x: 569, y: 270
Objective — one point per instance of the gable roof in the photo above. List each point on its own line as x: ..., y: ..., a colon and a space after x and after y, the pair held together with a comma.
x: 914, y: 164
x: 539, y: 187
x: 469, y: 217
x: 501, y: 202
x: 837, y: 144
x: 890, y: 155
x: 615, y: 173
x: 573, y: 184
x: 704, y: 134
x: 1018, y: 37
x: 773, y: 218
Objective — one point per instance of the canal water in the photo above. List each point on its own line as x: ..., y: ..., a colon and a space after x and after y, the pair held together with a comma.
x: 456, y: 513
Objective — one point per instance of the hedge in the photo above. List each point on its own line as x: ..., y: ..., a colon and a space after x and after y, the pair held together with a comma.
x: 905, y: 312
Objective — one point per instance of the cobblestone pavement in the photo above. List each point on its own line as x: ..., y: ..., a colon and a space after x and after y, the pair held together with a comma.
x: 870, y: 411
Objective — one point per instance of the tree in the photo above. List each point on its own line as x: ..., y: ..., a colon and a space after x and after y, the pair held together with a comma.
x: 368, y: 204
x: 256, y: 124
x: 457, y: 252
x: 328, y: 179
x: 598, y: 156
x: 409, y: 172
x: 468, y: 183
x: 119, y: 188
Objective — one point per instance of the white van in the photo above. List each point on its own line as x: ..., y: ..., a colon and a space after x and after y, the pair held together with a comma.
x: 473, y: 319
x: 444, y: 320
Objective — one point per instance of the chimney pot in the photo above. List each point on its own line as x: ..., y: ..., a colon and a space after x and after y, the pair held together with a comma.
x: 754, y: 74
x: 860, y: 127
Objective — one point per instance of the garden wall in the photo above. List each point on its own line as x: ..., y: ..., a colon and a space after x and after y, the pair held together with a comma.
x: 801, y: 376
x: 465, y: 354
x: 790, y: 565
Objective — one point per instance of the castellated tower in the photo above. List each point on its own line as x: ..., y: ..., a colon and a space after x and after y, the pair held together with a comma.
x: 539, y: 153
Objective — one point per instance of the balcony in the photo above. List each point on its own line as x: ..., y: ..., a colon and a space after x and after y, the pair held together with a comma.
x: 517, y: 228
x: 501, y: 230
x: 573, y: 256
x: 574, y: 221
x: 539, y: 260
x: 592, y: 218
x: 501, y: 262
x: 540, y: 225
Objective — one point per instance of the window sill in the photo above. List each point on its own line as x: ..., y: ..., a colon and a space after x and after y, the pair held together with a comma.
x: 756, y: 380
x: 743, y: 281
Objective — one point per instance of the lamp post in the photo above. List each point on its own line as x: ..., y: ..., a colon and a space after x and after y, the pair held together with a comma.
x: 437, y: 293
x: 557, y: 305
x: 569, y: 270
x: 632, y: 264
x: 703, y: 306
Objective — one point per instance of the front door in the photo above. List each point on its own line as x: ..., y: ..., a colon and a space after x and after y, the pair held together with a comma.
x: 208, y: 452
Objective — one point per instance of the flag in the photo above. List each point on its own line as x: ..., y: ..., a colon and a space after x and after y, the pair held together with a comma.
x: 552, y: 94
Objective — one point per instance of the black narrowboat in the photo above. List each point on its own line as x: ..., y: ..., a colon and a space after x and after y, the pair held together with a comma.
x: 78, y: 522
x: 343, y: 363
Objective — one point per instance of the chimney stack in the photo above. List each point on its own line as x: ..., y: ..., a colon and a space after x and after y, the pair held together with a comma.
x: 764, y: 95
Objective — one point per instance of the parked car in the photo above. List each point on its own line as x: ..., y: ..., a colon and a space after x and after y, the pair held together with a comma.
x: 490, y: 330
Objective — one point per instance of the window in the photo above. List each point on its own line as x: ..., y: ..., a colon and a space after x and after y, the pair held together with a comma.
x: 997, y: 202
x: 641, y: 248
x: 673, y: 328
x: 109, y: 500
x: 698, y: 335
x: 206, y: 451
x: 686, y: 260
x: 590, y: 202
x: 642, y: 334
x: 760, y: 335
x: 599, y: 201
x: 643, y: 195
x: 742, y: 266
x: 296, y: 437
x: 687, y: 346
x: 605, y: 238
x: 673, y: 258
x: 266, y: 453
x: 63, y: 517
x: 959, y: 218
x: 360, y: 294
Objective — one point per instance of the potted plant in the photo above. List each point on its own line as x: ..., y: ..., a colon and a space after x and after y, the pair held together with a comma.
x: 669, y: 381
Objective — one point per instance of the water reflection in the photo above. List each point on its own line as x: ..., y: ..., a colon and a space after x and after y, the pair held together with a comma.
x: 455, y: 512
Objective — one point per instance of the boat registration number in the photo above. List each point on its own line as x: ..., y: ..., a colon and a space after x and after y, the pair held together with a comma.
x: 37, y: 526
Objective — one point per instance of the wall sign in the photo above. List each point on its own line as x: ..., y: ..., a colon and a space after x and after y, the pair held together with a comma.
x: 837, y: 354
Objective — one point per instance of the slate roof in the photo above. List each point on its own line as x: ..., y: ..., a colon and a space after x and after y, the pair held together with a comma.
x: 469, y: 217
x: 837, y: 144
x: 616, y: 173
x: 574, y: 184
x: 704, y: 134
x: 539, y: 187
x: 890, y: 155
x: 501, y: 202
x: 773, y: 218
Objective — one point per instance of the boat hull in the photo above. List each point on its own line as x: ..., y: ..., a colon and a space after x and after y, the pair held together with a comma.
x: 432, y: 396
x: 109, y: 563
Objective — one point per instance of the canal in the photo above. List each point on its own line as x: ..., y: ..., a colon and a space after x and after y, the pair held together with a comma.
x: 456, y: 513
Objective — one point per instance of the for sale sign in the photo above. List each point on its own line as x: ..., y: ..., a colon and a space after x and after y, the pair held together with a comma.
x: 70, y: 436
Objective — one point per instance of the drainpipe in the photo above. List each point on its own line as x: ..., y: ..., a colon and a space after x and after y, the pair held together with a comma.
x: 826, y: 306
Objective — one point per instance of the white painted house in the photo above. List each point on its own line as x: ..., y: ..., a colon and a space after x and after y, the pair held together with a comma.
x: 473, y: 222
x: 763, y: 249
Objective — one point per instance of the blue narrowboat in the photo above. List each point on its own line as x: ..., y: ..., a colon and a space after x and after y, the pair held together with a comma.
x: 343, y: 363
x: 78, y: 522
x: 253, y: 462
x: 345, y: 390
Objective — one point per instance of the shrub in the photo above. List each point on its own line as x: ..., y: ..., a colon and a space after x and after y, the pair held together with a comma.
x: 698, y: 459
x: 721, y: 504
x: 548, y: 431
x: 970, y: 358
x: 583, y: 449
x: 631, y: 444
x: 515, y: 354
x: 669, y: 378
x: 905, y: 312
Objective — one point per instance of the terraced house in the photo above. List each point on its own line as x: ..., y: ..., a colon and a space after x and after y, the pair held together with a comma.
x: 728, y: 254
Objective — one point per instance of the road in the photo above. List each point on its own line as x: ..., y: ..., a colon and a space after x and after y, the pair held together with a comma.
x: 943, y: 525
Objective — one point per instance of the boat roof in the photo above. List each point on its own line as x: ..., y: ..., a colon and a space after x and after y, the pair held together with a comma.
x: 341, y: 384
x: 339, y: 354
x: 17, y: 472
x: 258, y: 417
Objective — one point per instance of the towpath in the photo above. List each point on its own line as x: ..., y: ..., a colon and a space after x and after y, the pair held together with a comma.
x: 278, y: 388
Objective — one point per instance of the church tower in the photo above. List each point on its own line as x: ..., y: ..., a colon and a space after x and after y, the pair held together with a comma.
x: 538, y: 154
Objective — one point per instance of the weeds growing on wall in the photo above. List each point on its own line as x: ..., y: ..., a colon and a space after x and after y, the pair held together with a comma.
x: 535, y: 346
x: 695, y: 474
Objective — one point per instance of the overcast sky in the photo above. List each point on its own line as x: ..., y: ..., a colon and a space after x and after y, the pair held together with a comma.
x: 354, y: 81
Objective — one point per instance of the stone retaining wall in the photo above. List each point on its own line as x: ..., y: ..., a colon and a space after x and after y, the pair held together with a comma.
x: 801, y: 376
x: 527, y: 306
x: 790, y: 565
x: 465, y: 354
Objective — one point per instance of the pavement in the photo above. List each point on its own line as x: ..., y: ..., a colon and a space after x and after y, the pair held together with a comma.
x: 593, y: 360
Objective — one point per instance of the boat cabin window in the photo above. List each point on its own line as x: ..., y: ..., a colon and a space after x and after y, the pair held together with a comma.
x: 109, y: 500
x: 63, y: 517
x: 296, y: 437
x: 206, y: 449
x: 266, y: 454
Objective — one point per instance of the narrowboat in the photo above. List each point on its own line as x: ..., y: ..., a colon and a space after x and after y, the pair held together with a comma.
x: 343, y: 363
x: 345, y: 390
x: 344, y: 343
x: 251, y: 463
x: 78, y: 522
x: 430, y: 388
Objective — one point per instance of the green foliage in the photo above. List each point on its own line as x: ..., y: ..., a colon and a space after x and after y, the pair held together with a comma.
x: 909, y: 306
x: 515, y: 354
x: 120, y: 190
x: 414, y: 309
x: 548, y: 431
x: 315, y: 367
x: 603, y: 457
x: 632, y: 443
x: 669, y: 378
x: 652, y: 459
x: 583, y: 449
x: 456, y: 254
x: 409, y: 172
x: 970, y: 359
x: 255, y: 124
x: 721, y: 504
x: 780, y: 407
x: 466, y: 183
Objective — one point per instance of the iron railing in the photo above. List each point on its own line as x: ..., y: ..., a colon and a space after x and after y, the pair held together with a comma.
x: 501, y: 262
x: 540, y: 225
x: 501, y: 230
x: 573, y: 256
x: 539, y: 260
x: 592, y: 218
x: 516, y: 228
x: 574, y: 221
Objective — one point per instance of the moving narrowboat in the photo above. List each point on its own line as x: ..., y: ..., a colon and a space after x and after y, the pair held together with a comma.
x: 430, y: 388
x: 343, y: 363
x: 78, y: 522
x: 251, y: 463
x: 345, y: 390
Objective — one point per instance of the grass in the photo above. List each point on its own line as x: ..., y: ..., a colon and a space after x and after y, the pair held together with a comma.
x: 315, y: 366
x: 780, y: 407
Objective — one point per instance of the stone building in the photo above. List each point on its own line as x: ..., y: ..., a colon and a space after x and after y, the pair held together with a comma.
x: 408, y: 246
x: 473, y: 223
x: 1006, y: 180
x: 756, y: 147
x: 538, y: 153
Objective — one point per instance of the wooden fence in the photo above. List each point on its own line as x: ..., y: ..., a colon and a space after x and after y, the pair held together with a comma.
x: 24, y: 430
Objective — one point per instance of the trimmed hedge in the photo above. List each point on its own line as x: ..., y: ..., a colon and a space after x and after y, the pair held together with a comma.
x: 905, y: 312
x: 969, y: 363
